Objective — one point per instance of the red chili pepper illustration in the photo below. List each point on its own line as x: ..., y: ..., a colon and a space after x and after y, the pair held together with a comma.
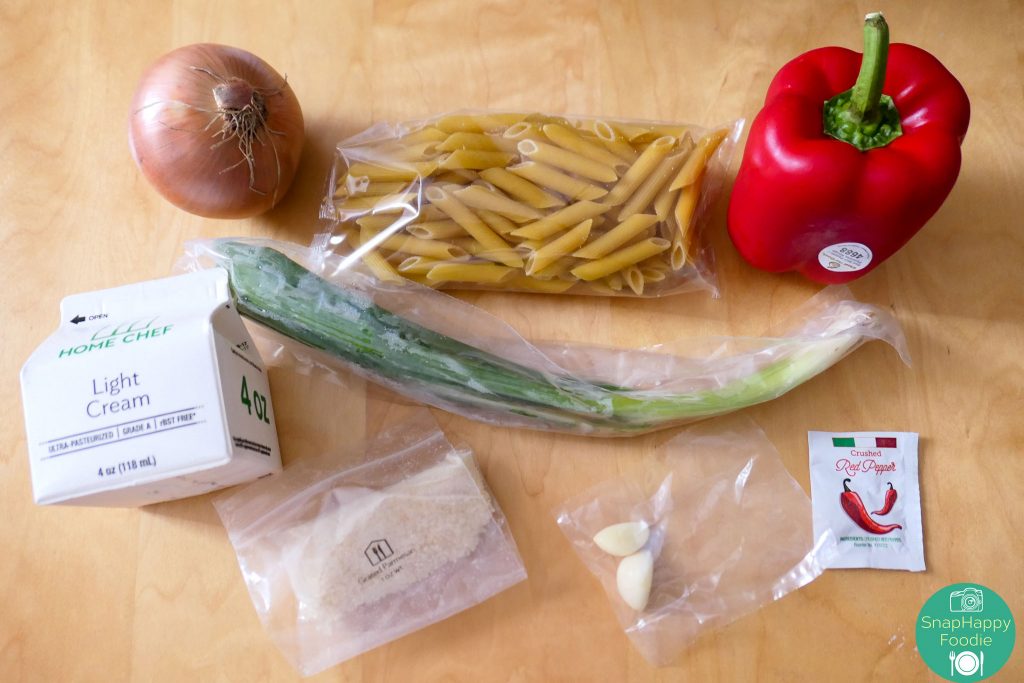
x: 854, y: 507
x: 890, y: 500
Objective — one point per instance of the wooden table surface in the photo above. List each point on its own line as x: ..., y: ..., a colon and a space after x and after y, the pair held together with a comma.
x: 155, y: 594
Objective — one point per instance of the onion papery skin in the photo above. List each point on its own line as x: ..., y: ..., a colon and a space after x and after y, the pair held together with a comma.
x: 175, y: 128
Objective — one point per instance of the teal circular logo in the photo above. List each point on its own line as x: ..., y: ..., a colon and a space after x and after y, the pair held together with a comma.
x: 965, y: 632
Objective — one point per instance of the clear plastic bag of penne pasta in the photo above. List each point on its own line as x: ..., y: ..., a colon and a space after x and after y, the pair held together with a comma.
x: 529, y: 202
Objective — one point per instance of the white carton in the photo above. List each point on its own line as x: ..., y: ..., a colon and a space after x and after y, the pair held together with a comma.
x: 146, y: 393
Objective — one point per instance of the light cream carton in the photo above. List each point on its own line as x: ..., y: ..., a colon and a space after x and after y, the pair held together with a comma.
x: 146, y: 393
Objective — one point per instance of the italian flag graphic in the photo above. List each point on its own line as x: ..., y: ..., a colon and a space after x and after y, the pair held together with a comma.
x: 864, y: 441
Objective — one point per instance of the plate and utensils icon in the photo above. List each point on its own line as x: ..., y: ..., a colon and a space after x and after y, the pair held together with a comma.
x: 966, y: 663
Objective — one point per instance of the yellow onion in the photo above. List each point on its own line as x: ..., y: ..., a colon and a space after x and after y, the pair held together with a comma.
x: 216, y: 130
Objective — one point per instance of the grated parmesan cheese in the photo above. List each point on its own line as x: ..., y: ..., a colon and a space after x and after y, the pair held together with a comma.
x: 367, y: 544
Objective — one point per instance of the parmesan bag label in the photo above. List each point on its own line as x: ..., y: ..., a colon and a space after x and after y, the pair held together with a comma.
x: 145, y: 393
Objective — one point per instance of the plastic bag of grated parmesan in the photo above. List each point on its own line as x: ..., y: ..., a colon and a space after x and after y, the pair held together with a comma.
x: 340, y: 560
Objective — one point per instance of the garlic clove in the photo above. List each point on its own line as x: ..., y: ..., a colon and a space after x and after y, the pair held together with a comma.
x: 634, y: 579
x: 623, y: 539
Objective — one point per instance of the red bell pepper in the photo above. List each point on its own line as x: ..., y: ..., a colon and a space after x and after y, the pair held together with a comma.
x: 835, y: 179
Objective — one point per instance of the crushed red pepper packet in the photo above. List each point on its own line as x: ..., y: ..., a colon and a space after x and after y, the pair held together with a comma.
x: 864, y: 488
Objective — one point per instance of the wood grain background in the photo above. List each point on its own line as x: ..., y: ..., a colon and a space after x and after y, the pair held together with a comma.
x: 155, y: 594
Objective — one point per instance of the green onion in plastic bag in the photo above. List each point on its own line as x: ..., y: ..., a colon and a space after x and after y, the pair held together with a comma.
x: 441, y: 351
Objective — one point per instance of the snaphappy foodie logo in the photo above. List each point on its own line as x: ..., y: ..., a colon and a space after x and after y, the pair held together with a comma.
x: 965, y: 632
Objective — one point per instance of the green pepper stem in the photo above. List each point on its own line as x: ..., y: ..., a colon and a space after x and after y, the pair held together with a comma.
x: 862, y: 116
x: 867, y: 91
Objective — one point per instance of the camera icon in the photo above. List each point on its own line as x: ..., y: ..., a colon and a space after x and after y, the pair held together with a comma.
x: 967, y: 600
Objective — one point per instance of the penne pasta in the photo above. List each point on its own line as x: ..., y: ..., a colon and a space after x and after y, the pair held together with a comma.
x: 569, y: 139
x: 523, y: 131
x: 497, y: 222
x: 557, y: 269
x: 649, y: 188
x: 600, y: 129
x: 567, y: 161
x: 407, y: 171
x: 520, y: 188
x: 531, y: 245
x: 379, y: 266
x: 416, y: 265
x: 632, y: 131
x: 676, y: 131
x: 473, y: 159
x: 341, y: 190
x: 480, y: 197
x: 477, y: 123
x: 523, y: 201
x: 418, y: 279
x: 381, y: 189
x: 429, y: 134
x: 597, y: 131
x: 414, y: 246
x: 545, y: 176
x: 614, y: 141
x: 664, y: 202
x: 614, y: 282
x: 409, y: 245
x: 588, y: 135
x: 653, y: 132
x: 599, y: 287
x: 531, y: 284
x: 497, y: 248
x: 387, y: 204
x: 544, y: 119
x: 650, y: 274
x: 456, y: 177
x: 560, y: 220
x: 694, y: 166
x: 677, y: 255
x: 558, y: 248
x: 474, y: 248
x: 622, y: 233
x: 376, y: 223
x: 374, y: 260
x: 349, y: 185
x: 666, y: 198
x: 634, y: 279
x: 655, y: 263
x: 469, y: 272
x: 469, y: 141
x: 686, y: 206
x: 436, y: 230
x: 429, y: 212
x: 620, y: 259
x: 622, y: 149
x: 407, y: 153
x: 641, y: 168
